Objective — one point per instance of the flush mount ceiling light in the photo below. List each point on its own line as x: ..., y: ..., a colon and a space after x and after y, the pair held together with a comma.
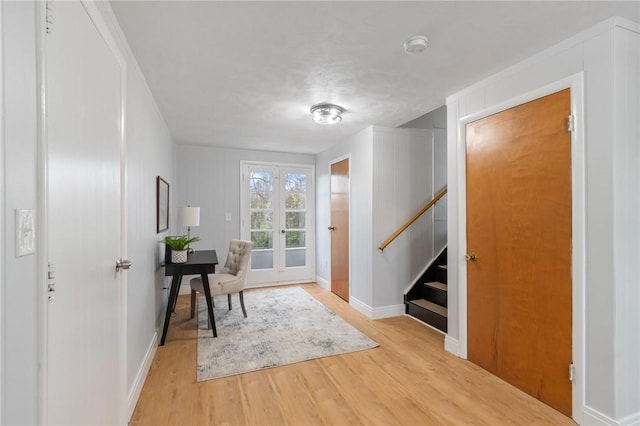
x: 327, y: 113
x: 416, y: 44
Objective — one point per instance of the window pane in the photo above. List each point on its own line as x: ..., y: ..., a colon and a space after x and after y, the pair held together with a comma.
x: 261, y: 181
x: 295, y: 258
x: 262, y: 239
x: 262, y: 220
x: 296, y: 182
x: 295, y: 201
x: 261, y: 199
x: 262, y: 259
x: 295, y: 220
x: 295, y: 239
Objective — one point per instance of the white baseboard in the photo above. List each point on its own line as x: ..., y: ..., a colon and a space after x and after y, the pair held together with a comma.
x: 595, y: 418
x: 324, y: 283
x: 451, y: 345
x: 376, y: 313
x: 138, y: 383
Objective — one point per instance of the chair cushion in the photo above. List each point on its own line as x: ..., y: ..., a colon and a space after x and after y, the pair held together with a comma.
x: 215, y: 283
x: 238, y: 250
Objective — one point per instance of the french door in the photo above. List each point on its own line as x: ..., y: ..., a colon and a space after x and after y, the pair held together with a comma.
x: 277, y: 208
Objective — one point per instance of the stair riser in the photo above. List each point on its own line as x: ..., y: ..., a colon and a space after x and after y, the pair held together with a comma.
x: 434, y: 295
x: 427, y: 316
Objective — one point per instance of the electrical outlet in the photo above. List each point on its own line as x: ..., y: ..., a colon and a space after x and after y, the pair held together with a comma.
x: 25, y: 232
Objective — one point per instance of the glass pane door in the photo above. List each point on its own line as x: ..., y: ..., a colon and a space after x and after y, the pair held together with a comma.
x: 295, y: 212
x: 277, y: 215
x: 261, y: 195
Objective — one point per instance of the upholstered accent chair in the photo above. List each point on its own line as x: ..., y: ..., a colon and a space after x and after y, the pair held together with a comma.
x: 230, y: 279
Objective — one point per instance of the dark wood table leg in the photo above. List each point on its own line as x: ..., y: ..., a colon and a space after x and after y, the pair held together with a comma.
x: 207, y: 295
x: 173, y: 309
x: 173, y: 295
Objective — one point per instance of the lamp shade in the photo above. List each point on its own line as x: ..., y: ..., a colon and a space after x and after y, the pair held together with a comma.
x: 189, y: 216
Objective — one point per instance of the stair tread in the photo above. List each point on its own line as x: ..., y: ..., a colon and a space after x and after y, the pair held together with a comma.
x: 442, y: 266
x: 436, y: 284
x: 440, y: 310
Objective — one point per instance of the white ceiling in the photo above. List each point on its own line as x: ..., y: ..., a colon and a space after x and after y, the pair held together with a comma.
x: 244, y: 74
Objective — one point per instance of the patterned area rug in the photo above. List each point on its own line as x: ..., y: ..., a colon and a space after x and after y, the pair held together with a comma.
x: 284, y: 326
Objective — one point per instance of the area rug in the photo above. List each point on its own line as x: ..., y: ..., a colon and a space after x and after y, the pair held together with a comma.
x: 283, y: 326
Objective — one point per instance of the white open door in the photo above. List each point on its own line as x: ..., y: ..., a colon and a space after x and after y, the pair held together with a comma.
x: 86, y: 368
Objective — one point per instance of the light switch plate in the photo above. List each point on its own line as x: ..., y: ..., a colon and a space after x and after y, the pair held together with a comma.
x: 25, y: 232
x: 227, y: 217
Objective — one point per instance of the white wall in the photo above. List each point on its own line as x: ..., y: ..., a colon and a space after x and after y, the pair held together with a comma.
x: 360, y: 148
x: 408, y: 171
x: 149, y: 152
x: 393, y: 174
x: 608, y: 57
x: 209, y: 177
x: 20, y: 294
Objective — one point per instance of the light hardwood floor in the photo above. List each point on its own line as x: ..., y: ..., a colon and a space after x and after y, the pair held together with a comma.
x: 408, y: 380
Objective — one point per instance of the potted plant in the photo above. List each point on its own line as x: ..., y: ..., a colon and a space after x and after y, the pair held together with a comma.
x: 179, y: 247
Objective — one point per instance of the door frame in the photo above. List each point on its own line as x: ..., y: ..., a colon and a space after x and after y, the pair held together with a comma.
x: 331, y: 163
x: 244, y: 229
x: 578, y: 250
x: 42, y: 226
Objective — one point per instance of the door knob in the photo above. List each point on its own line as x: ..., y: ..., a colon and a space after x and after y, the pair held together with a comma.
x: 470, y: 256
x: 122, y: 264
x: 331, y: 228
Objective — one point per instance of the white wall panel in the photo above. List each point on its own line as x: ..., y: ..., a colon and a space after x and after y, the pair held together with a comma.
x: 20, y: 320
x: 598, y: 61
x: 626, y: 222
x: 403, y: 184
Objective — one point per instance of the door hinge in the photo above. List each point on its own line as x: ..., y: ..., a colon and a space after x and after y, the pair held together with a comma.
x: 571, y: 123
x: 572, y: 372
x: 48, y: 17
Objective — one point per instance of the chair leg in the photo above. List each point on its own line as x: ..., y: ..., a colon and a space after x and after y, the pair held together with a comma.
x: 229, y: 300
x: 244, y: 311
x: 193, y: 303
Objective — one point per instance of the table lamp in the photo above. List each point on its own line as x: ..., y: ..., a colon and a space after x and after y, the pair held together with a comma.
x: 189, y: 216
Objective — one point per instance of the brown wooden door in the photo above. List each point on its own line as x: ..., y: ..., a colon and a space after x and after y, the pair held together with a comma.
x: 519, y: 227
x: 340, y: 228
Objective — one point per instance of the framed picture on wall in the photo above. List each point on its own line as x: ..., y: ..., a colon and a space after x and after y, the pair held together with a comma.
x: 162, y: 205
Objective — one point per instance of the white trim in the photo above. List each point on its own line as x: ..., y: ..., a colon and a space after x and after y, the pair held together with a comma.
x: 594, y: 417
x: 376, y: 313
x: 42, y: 218
x: 280, y: 273
x: 452, y: 345
x: 3, y: 191
x: 143, y: 371
x: 575, y: 83
x: 323, y: 283
x: 332, y: 162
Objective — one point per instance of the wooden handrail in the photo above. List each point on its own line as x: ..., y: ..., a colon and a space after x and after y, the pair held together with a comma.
x: 413, y: 219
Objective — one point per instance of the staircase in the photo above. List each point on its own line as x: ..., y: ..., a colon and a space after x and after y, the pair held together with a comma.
x: 427, y: 299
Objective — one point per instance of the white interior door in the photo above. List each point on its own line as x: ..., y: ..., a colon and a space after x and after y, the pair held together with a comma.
x: 86, y: 369
x: 278, y: 216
